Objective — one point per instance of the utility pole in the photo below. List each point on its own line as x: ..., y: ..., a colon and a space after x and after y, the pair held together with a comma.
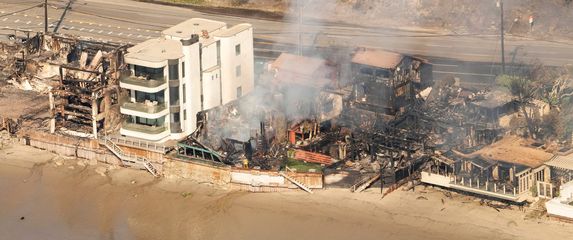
x: 299, y: 4
x: 500, y: 5
x: 45, y: 16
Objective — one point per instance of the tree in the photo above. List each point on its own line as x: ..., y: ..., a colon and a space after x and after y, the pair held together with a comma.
x: 523, y: 89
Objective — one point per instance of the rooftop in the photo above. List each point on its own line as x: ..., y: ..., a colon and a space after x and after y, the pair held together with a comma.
x: 233, y: 30
x: 194, y: 26
x: 301, y: 70
x: 156, y: 50
x: 512, y: 150
x: 377, y: 58
x: 564, y: 162
x: 298, y: 64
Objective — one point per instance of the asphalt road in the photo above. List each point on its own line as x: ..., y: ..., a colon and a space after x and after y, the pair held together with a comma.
x: 465, y: 56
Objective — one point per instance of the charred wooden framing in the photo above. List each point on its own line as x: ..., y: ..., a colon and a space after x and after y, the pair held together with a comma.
x: 86, y: 97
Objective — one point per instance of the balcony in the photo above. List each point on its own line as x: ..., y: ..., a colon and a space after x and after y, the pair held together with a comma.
x: 144, y: 110
x: 142, y: 84
x: 142, y: 107
x: 150, y: 133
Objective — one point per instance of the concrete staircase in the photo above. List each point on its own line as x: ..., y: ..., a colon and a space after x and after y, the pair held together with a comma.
x: 130, y: 159
x: 297, y: 183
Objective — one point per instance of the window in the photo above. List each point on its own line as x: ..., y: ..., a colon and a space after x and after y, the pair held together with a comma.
x: 238, y: 71
x: 149, y: 73
x: 150, y: 122
x: 184, y: 94
x: 174, y: 95
x: 183, y: 69
x: 184, y: 114
x: 140, y: 97
x: 176, y: 118
x: 237, y: 49
x: 239, y: 92
x: 173, y: 72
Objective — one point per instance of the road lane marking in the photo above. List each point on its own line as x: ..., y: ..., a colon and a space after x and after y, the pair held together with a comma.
x: 461, y: 73
x: 100, y: 31
x: 91, y: 30
x: 445, y: 65
x: 129, y: 35
x: 4, y: 20
x: 119, y: 34
x: 110, y: 32
x: 72, y: 27
x: 17, y: 20
x: 28, y: 22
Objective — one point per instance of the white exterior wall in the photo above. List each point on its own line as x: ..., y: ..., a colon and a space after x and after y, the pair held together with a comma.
x: 211, y: 76
x: 211, y: 89
x: 209, y: 56
x: 229, y: 61
x: 192, y: 103
x: 207, y: 74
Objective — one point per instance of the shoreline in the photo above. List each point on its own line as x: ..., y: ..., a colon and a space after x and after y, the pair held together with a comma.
x: 66, y: 198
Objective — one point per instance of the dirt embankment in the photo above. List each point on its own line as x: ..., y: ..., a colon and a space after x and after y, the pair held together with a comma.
x: 552, y: 18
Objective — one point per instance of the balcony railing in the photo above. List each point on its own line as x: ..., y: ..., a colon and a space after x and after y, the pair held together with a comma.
x: 143, y: 128
x: 142, y: 107
x: 139, y: 81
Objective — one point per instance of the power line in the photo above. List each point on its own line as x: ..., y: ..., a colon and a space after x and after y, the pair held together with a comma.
x: 22, y: 10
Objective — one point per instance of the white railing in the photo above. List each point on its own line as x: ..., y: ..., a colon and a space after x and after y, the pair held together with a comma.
x: 138, y: 143
x: 130, y: 158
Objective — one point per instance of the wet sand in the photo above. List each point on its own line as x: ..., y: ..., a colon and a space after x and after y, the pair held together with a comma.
x: 59, y: 199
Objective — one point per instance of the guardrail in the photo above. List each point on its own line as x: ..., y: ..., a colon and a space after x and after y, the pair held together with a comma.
x: 142, y: 144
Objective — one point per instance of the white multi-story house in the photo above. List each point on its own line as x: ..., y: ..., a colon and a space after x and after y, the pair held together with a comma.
x: 194, y: 66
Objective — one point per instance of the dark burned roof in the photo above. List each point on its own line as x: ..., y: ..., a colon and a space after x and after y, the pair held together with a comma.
x: 481, y: 163
x: 377, y: 58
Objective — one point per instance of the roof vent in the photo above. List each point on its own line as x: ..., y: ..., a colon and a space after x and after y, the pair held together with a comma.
x: 195, y: 24
x: 178, y: 31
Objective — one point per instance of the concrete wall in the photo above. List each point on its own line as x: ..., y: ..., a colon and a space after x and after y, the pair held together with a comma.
x: 435, y: 179
x: 559, y: 209
x: 196, y: 171
x: 261, y: 178
x: 68, y: 146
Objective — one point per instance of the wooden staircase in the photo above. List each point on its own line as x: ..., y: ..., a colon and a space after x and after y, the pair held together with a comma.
x: 297, y: 183
x: 130, y: 159
x: 365, y: 183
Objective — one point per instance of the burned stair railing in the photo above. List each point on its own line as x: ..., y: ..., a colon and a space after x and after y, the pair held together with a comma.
x: 130, y: 159
x: 365, y: 183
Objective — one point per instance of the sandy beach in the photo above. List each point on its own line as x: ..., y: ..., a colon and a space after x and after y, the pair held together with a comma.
x: 43, y: 196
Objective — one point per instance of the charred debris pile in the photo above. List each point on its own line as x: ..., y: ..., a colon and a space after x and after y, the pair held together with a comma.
x: 369, y: 115
x: 76, y: 79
